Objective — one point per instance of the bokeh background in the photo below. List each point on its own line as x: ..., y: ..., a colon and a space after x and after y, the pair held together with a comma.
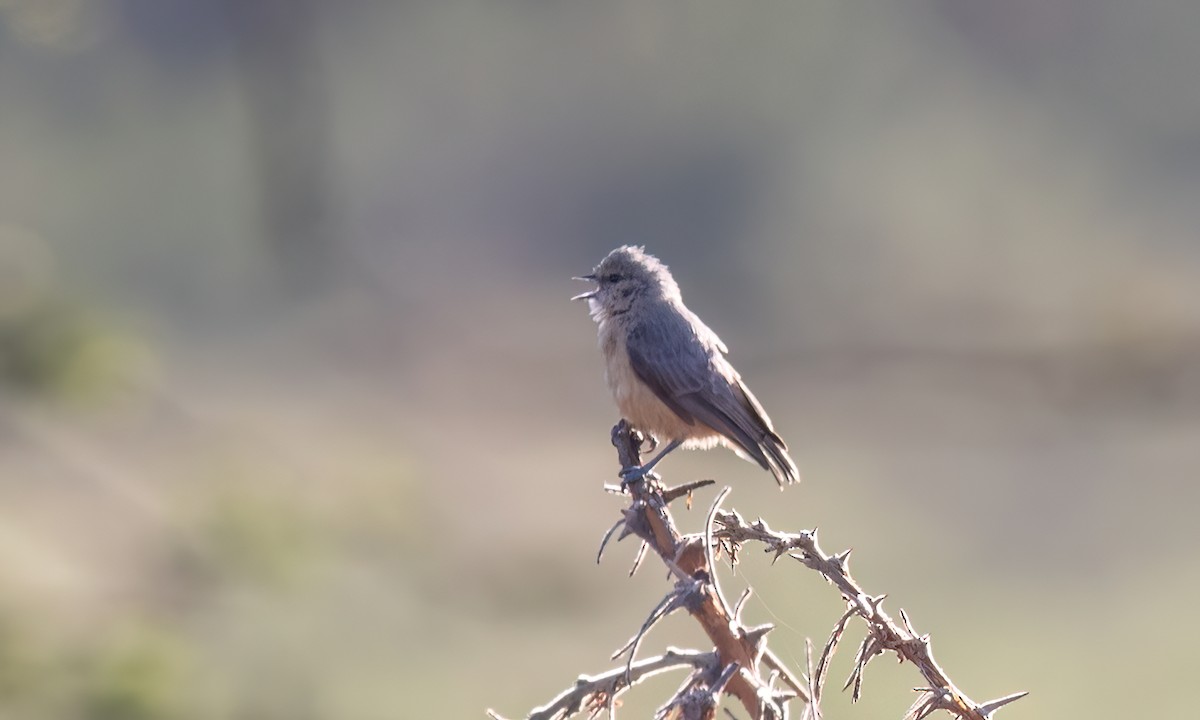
x: 296, y: 420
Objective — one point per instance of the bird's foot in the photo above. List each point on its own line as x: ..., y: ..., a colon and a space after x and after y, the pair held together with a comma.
x: 636, y: 474
x: 645, y: 441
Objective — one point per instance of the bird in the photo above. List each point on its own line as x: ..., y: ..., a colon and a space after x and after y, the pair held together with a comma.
x: 667, y: 370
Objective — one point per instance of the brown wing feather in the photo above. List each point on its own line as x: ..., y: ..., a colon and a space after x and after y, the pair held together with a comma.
x: 681, y: 362
x: 783, y: 467
x: 666, y: 371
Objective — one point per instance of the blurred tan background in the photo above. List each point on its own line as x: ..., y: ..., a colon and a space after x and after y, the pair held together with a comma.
x: 296, y: 420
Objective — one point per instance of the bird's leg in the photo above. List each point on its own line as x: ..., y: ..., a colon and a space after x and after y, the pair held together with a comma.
x: 633, y: 474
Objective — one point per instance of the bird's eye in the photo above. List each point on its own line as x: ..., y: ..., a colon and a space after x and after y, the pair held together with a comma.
x: 612, y: 277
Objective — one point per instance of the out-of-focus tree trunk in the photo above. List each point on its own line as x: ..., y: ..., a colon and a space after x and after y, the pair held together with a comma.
x: 276, y: 49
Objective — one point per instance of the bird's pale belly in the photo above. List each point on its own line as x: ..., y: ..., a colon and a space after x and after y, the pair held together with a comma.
x: 639, y: 404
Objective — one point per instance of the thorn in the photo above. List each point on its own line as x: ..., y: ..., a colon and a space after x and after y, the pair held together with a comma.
x: 808, y: 647
x: 907, y: 623
x: 621, y: 651
x: 672, y: 494
x: 737, y: 608
x: 637, y: 561
x: 755, y: 635
x: 870, y: 647
x: 927, y: 704
x: 607, y: 537
x: 990, y: 707
x: 772, y: 678
x: 842, y: 557
x: 818, y: 677
x: 709, y: 552
x: 731, y: 549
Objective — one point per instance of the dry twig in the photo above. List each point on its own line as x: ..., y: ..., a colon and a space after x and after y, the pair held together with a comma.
x: 883, y: 633
x: 740, y: 653
x: 596, y: 692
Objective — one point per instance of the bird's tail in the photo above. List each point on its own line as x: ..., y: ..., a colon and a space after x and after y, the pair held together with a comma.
x: 778, y: 461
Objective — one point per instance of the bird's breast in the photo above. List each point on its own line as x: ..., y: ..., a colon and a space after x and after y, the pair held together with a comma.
x: 635, y: 400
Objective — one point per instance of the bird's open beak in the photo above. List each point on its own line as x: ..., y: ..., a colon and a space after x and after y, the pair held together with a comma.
x: 589, y: 294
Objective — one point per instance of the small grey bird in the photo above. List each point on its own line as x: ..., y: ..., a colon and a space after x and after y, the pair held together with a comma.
x: 667, y: 371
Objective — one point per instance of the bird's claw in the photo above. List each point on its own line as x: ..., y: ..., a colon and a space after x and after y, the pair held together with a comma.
x: 644, y: 439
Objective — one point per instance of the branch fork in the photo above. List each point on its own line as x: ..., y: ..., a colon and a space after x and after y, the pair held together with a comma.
x: 740, y: 653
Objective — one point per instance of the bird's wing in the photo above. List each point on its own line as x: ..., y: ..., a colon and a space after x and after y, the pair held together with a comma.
x: 772, y: 446
x: 670, y: 359
x: 683, y: 363
x: 686, y: 371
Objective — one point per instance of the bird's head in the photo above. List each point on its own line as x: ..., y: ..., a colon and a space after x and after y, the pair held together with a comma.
x: 624, y: 277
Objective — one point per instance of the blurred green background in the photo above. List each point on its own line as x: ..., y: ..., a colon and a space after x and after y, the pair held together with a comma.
x: 296, y: 420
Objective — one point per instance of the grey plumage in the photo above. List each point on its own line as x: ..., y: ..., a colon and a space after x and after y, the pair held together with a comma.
x: 667, y: 370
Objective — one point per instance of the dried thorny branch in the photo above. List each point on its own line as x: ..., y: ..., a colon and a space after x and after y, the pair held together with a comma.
x: 740, y: 654
x: 822, y: 671
x: 883, y: 633
x: 698, y: 696
x: 687, y: 594
x: 594, y: 693
x: 687, y: 557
